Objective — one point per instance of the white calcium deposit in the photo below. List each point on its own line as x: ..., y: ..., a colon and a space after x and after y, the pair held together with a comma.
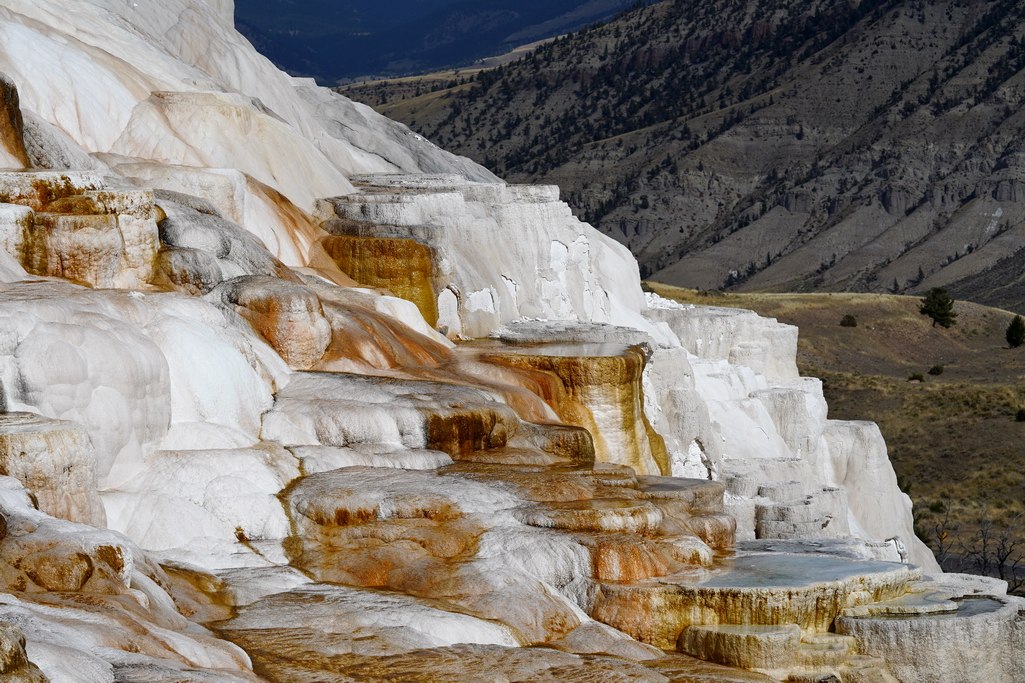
x: 209, y: 422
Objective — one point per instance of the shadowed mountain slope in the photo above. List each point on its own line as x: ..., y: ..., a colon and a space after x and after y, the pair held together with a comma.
x: 335, y: 40
x: 768, y: 145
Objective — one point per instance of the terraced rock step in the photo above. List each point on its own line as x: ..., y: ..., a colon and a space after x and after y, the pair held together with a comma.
x: 558, y: 483
x: 55, y: 460
x: 513, y: 456
x: 319, y: 630
x: 592, y: 385
x: 698, y: 494
x: 745, y: 646
x: 596, y: 514
x: 618, y: 557
x: 819, y: 649
x: 822, y: 514
x: 79, y: 226
x: 942, y: 635
x: 759, y: 588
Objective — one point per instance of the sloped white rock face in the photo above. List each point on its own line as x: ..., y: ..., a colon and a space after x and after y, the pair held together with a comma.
x: 279, y: 226
x: 760, y: 424
x: 740, y: 337
x: 134, y: 370
x: 187, y: 500
x: 488, y: 271
x: 374, y: 623
x: 859, y: 463
x: 173, y: 82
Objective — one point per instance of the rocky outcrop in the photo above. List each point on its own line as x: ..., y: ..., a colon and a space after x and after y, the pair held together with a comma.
x: 287, y: 314
x: 73, y: 226
x: 12, y: 128
x: 200, y: 249
x: 567, y: 273
x: 54, y: 460
x: 14, y: 664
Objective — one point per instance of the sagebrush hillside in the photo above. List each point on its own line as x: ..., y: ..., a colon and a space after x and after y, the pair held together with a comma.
x: 770, y: 145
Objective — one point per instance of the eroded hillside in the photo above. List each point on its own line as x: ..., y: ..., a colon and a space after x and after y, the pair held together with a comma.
x: 767, y: 145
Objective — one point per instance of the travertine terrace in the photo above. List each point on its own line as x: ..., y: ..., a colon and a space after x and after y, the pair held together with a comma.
x: 290, y: 394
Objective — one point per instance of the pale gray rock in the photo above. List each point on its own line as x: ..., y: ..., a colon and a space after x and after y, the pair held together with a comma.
x: 14, y: 664
x: 364, y: 622
x: 740, y: 337
x: 51, y: 148
x: 202, y: 250
x: 540, y: 331
x: 288, y: 315
x: 284, y: 229
x: 55, y: 460
x: 12, y: 127
x: 594, y: 637
x: 15, y: 223
x: 743, y: 646
x: 858, y: 462
x: 286, y: 159
x: 981, y: 639
x: 346, y: 120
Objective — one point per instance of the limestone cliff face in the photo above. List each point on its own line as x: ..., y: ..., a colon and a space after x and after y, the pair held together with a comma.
x: 196, y: 354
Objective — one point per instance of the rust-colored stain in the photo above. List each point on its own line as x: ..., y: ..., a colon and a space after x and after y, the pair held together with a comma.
x: 405, y: 267
x: 364, y: 337
x: 112, y: 556
x: 12, y: 125
x: 461, y: 432
x: 49, y: 190
x: 86, y: 249
x: 577, y: 386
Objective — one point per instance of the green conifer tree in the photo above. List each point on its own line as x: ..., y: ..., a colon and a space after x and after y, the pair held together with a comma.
x: 939, y: 306
x: 1016, y: 332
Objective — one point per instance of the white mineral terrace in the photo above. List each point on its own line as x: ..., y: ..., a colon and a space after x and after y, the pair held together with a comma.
x: 287, y: 393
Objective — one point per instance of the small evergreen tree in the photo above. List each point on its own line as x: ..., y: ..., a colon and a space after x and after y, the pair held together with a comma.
x: 939, y: 306
x: 1016, y: 332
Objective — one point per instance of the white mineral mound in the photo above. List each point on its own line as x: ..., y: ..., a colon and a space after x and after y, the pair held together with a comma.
x: 174, y: 82
x: 198, y: 350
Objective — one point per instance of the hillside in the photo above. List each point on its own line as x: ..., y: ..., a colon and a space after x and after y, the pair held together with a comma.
x: 953, y: 437
x: 768, y: 145
x: 355, y: 38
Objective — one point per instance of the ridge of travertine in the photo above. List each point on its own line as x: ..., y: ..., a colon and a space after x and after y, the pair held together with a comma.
x: 304, y: 476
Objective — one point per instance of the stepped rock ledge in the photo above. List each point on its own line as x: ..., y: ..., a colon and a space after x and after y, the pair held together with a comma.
x: 291, y: 394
